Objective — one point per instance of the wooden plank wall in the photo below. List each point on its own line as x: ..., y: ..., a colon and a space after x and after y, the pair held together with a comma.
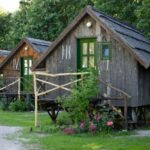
x: 121, y: 71
x: 144, y: 85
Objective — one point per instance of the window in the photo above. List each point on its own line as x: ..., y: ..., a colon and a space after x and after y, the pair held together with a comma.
x: 87, y: 49
x: 105, y: 51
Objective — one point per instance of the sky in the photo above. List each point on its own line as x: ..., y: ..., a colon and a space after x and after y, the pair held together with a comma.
x: 9, y: 5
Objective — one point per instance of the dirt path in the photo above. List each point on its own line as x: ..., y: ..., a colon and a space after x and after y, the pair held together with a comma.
x: 12, y: 144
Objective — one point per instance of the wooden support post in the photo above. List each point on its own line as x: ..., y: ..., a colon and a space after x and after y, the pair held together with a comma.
x: 19, y: 81
x: 125, y: 113
x: 35, y: 101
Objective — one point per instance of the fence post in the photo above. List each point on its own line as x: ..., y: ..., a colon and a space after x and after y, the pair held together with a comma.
x: 35, y: 101
x: 19, y: 81
x: 126, y: 112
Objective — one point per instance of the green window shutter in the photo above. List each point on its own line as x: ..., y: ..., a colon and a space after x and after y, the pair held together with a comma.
x: 104, y: 50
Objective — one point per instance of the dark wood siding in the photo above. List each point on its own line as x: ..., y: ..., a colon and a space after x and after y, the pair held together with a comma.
x: 144, y: 86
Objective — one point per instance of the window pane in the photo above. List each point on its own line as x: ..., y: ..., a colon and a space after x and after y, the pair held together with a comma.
x: 25, y: 71
x: 30, y: 63
x: 84, y: 62
x: 85, y: 48
x: 91, y: 48
x: 105, y: 51
x: 29, y: 71
x: 91, y: 61
x: 25, y: 63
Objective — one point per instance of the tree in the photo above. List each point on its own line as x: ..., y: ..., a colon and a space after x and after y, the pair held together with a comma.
x: 143, y: 15
x: 18, y: 22
x: 120, y: 9
x: 46, y: 19
x: 4, y: 28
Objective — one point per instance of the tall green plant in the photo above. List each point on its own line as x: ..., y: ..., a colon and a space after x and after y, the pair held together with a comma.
x: 77, y: 102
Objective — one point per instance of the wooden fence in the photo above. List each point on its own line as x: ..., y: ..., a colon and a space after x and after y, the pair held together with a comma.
x: 37, y: 92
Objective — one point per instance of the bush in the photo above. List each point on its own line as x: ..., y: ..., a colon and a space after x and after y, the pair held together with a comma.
x: 17, y: 105
x: 64, y: 119
x: 78, y: 101
x: 29, y: 105
x: 4, y: 104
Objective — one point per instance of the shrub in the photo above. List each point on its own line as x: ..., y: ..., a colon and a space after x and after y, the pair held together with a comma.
x: 4, y: 104
x: 17, y: 105
x: 77, y: 102
x: 29, y: 105
x: 64, y: 119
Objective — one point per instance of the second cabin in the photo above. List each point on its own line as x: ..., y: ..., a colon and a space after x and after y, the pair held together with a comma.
x: 119, y: 53
x: 19, y: 62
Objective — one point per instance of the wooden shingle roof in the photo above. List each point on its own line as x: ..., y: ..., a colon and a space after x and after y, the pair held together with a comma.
x: 129, y: 37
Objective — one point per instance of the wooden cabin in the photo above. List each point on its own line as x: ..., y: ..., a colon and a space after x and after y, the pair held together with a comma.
x: 19, y: 62
x: 3, y: 55
x: 119, y: 53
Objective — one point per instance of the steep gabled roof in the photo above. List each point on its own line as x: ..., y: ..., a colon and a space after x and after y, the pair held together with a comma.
x: 36, y: 44
x: 129, y: 37
x: 39, y: 45
x: 4, y: 53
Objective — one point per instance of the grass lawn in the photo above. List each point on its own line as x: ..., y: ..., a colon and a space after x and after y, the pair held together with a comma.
x: 59, y: 141
x: 25, y: 119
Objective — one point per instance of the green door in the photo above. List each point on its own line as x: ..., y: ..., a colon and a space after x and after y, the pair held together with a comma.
x: 86, y: 53
x: 26, y: 78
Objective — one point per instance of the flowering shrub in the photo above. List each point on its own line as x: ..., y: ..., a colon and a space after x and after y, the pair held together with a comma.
x: 109, y: 123
x: 97, y: 124
x: 102, y: 121
x: 92, y: 127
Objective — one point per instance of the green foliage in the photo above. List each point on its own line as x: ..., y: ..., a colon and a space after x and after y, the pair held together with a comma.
x: 21, y: 105
x: 47, y: 19
x: 64, y: 119
x: 143, y: 15
x: 17, y: 105
x: 18, y: 25
x: 47, y: 129
x: 4, y: 29
x: 77, y: 102
x: 120, y: 9
x: 1, y: 81
x: 4, y: 104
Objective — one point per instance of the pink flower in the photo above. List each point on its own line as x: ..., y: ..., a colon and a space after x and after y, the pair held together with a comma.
x: 98, y: 117
x: 82, y: 125
x: 92, y: 127
x: 109, y: 123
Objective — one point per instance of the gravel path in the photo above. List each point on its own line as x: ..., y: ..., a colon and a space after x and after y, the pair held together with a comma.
x: 6, y: 144
x: 142, y: 133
